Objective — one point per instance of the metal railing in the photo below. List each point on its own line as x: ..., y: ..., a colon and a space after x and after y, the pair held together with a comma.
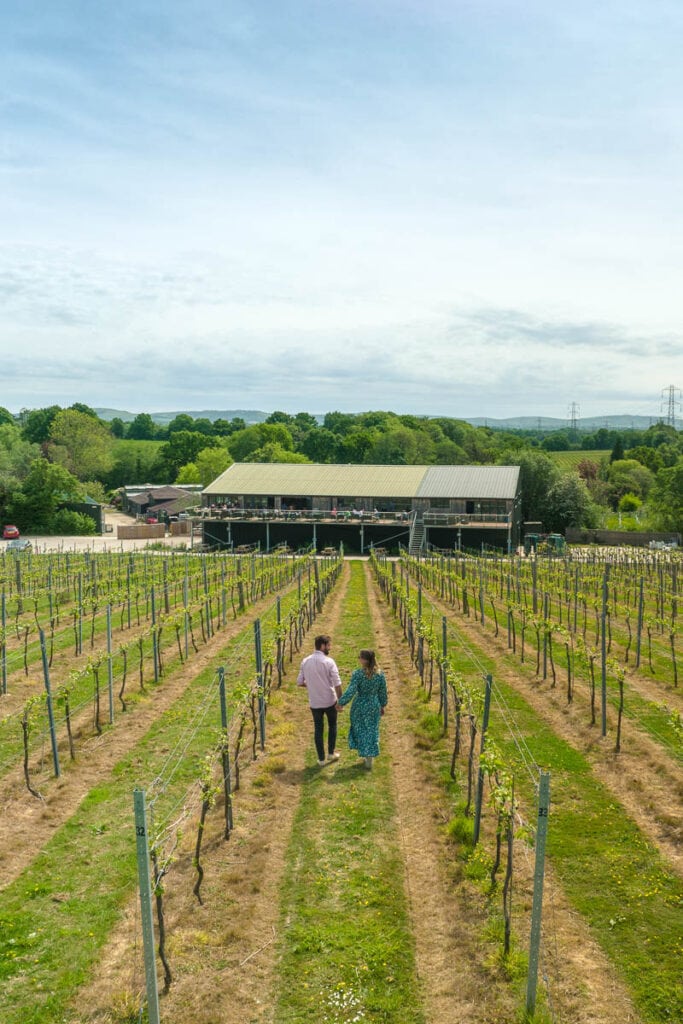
x: 465, y: 518
x: 307, y: 515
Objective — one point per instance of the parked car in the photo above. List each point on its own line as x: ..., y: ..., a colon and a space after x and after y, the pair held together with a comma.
x: 10, y: 532
x: 151, y: 520
x: 19, y: 545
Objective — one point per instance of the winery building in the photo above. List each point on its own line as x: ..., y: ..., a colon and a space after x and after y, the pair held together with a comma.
x: 419, y: 507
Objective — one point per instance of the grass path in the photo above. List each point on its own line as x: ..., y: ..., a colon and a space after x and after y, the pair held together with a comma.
x: 346, y: 948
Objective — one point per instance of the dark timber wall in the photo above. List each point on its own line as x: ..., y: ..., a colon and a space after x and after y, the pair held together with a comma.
x: 218, y: 532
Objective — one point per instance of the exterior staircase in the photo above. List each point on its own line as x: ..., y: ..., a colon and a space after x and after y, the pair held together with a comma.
x: 417, y: 535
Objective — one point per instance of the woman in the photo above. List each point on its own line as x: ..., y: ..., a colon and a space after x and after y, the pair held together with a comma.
x: 368, y: 690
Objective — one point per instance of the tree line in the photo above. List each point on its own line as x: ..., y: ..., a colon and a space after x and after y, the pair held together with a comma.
x: 52, y: 456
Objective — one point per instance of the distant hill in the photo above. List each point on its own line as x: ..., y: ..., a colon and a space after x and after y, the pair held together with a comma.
x: 163, y: 418
x: 590, y: 423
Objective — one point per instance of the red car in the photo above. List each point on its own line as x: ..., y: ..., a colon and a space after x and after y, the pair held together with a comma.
x: 10, y: 533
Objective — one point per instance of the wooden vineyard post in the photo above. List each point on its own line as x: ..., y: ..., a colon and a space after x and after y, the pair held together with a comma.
x: 207, y: 608
x: 110, y: 668
x: 280, y: 652
x: 444, y: 683
x: 50, y: 710
x: 185, y: 611
x: 546, y: 614
x: 155, y: 653
x: 225, y: 754
x: 128, y: 592
x: 639, y: 629
x: 603, y: 653
x: 480, y: 779
x: 259, y: 683
x: 142, y: 846
x: 224, y: 598
x: 536, y: 907
x: 80, y: 613
x: 3, y: 652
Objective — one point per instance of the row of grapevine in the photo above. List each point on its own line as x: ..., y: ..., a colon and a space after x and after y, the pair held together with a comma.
x: 88, y: 693
x: 545, y: 606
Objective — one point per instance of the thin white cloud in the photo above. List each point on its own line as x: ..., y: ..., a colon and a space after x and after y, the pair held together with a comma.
x: 471, y: 204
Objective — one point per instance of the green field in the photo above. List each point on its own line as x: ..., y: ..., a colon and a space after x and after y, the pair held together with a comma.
x: 568, y: 461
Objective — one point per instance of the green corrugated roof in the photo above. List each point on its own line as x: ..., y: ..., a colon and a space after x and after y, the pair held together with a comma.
x: 345, y: 481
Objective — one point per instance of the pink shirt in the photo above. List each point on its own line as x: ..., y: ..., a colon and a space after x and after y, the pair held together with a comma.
x: 320, y: 675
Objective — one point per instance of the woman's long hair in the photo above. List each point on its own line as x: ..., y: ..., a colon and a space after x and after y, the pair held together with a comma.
x: 369, y: 657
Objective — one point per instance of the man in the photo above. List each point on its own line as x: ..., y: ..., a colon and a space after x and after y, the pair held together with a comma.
x: 320, y: 675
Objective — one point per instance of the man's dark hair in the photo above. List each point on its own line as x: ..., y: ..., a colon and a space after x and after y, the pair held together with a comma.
x: 321, y: 640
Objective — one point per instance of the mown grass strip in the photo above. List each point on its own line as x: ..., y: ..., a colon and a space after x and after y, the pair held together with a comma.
x: 56, y: 916
x: 609, y: 871
x: 347, y: 952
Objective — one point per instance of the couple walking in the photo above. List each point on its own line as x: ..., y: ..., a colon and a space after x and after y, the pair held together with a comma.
x: 367, y: 689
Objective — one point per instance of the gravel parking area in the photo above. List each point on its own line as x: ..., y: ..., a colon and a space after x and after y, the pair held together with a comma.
x: 107, y: 541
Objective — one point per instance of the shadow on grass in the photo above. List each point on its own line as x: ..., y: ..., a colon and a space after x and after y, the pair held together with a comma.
x: 348, y: 773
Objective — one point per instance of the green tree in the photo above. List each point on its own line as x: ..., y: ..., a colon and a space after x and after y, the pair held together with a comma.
x: 647, y: 456
x: 181, y: 422
x: 142, y: 428
x: 189, y: 474
x: 320, y: 445
x: 403, y: 447
x: 117, y: 427
x: 666, y: 498
x: 448, y: 453
x: 538, y: 473
x: 208, y: 465
x: 16, y: 456
x: 630, y: 503
x: 224, y: 428
x: 272, y: 451
x: 303, y: 422
x: 82, y: 444
x: 628, y: 476
x: 87, y: 410
x: 558, y: 441
x: 6, y: 416
x: 183, y: 446
x: 357, y: 445
x: 136, y: 462
x: 204, y: 426
x: 33, y: 507
x: 245, y: 442
x: 617, y: 453
x: 340, y: 422
x: 568, y: 503
x: 36, y: 423
x: 280, y: 417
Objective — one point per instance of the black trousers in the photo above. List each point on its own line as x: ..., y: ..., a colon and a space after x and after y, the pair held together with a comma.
x: 319, y: 715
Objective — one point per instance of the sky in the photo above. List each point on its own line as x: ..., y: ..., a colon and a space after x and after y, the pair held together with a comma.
x: 446, y: 207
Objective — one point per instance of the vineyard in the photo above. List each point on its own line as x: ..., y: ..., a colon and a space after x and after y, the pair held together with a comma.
x: 160, y: 786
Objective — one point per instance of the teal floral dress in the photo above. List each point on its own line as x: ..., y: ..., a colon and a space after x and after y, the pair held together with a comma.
x: 369, y: 694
